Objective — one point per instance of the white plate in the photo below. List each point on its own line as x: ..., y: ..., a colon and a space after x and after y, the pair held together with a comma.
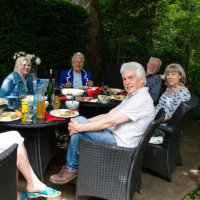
x: 60, y: 113
x: 30, y: 98
x: 5, y: 101
x: 5, y: 120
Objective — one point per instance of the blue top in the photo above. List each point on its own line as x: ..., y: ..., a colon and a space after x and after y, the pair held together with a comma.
x: 68, y: 76
x: 154, y: 82
x: 170, y: 103
x: 13, y: 84
x: 77, y: 82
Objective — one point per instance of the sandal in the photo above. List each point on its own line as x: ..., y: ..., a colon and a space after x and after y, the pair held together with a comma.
x: 24, y: 196
x: 47, y: 193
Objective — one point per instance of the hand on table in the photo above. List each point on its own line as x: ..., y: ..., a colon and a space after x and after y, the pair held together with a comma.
x: 90, y: 83
x: 68, y: 84
x: 73, y: 126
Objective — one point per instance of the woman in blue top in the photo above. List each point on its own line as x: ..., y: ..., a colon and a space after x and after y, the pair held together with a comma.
x: 76, y: 76
x: 19, y: 80
x: 175, y: 93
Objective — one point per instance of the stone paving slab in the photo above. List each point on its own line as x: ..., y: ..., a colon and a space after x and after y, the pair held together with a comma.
x: 185, y: 179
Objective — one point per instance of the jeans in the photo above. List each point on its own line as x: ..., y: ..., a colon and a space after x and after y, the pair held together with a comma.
x: 103, y: 136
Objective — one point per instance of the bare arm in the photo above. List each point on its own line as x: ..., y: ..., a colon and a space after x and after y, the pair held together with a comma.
x: 103, y: 122
x: 102, y: 116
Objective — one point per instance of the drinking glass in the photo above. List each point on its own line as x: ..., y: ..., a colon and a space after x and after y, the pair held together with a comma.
x: 56, y: 102
x: 29, y: 114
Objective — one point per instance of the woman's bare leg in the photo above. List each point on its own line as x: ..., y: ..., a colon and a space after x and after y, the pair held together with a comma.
x: 23, y: 165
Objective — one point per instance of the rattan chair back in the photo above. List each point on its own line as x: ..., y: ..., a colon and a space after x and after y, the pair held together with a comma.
x: 8, y: 190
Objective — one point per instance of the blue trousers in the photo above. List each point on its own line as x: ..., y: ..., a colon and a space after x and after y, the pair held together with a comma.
x: 103, y: 136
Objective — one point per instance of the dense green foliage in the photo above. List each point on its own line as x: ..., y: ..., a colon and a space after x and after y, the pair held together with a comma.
x: 136, y: 30
x: 53, y: 30
x: 195, y: 197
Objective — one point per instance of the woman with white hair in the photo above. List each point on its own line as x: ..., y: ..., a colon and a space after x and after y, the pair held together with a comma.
x: 76, y: 76
x: 175, y: 93
x: 19, y: 80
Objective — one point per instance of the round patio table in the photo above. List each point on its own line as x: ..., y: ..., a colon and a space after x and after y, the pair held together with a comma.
x: 40, y: 140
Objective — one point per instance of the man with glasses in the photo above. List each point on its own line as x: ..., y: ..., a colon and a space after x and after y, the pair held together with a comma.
x: 76, y: 76
x: 153, y: 80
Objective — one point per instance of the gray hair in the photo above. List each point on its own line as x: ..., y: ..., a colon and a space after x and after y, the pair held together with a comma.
x: 78, y: 54
x: 133, y: 66
x: 179, y: 69
x: 158, y: 59
x: 19, y: 61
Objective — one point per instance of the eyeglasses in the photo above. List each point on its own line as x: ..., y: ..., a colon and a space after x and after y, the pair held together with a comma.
x: 24, y: 65
x: 76, y: 62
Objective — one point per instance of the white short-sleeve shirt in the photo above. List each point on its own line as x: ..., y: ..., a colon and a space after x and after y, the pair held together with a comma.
x: 139, y: 108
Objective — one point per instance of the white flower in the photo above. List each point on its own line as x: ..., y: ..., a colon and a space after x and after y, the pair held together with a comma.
x: 37, y: 61
x: 29, y: 56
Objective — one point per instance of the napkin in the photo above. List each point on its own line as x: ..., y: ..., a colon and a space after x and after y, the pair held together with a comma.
x: 52, y: 118
x: 123, y: 93
x: 63, y: 98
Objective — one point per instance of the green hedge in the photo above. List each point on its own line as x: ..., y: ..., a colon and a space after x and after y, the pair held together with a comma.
x: 53, y: 30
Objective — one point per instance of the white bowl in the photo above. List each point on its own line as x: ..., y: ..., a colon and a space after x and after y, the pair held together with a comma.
x: 72, y: 104
x: 104, y: 99
x: 75, y: 92
x: 46, y: 104
x: 69, y: 96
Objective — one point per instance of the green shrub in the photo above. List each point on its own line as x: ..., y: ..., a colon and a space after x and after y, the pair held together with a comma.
x: 196, y: 197
x: 51, y: 29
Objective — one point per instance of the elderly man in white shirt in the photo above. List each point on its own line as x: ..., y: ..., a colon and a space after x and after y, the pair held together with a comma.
x: 124, y: 125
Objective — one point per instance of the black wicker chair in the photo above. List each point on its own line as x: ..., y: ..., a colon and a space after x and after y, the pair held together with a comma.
x: 112, y: 172
x: 8, y: 165
x: 163, y: 158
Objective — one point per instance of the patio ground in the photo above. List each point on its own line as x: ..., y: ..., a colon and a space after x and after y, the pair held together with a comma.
x: 185, y: 179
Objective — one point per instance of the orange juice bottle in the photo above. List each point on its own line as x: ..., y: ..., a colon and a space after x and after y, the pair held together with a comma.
x: 40, y: 108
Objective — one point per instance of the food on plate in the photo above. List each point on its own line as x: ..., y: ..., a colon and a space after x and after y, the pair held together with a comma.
x: 8, y: 116
x: 63, y: 113
x: 118, y: 97
x: 2, y: 101
x: 87, y: 99
x: 115, y: 90
x: 18, y: 113
x: 104, y: 96
x: 104, y: 99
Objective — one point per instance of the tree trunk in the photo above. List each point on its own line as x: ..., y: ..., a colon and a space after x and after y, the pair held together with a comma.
x: 95, y: 48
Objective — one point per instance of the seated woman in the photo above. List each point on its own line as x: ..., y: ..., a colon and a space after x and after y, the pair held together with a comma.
x: 34, y: 187
x: 175, y: 93
x: 76, y: 76
x: 19, y: 80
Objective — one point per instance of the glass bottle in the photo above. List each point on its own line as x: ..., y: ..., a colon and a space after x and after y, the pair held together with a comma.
x: 35, y: 99
x: 50, y: 88
x: 40, y: 108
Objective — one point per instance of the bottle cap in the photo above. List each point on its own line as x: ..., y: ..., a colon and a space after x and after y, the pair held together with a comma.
x: 41, y: 81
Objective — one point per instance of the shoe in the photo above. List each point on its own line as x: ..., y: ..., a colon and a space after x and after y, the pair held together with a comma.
x: 24, y: 196
x: 156, y: 140
x: 64, y: 176
x: 47, y: 193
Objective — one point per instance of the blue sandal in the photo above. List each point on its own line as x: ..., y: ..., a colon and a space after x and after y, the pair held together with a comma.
x: 24, y: 196
x: 48, y: 193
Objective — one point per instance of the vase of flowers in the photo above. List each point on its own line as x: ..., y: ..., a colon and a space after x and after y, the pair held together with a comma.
x: 35, y: 61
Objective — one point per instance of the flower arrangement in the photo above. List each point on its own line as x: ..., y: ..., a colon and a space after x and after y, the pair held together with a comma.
x: 35, y: 61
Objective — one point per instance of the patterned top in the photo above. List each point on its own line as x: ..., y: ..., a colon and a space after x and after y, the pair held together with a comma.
x: 170, y: 103
x: 154, y: 83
